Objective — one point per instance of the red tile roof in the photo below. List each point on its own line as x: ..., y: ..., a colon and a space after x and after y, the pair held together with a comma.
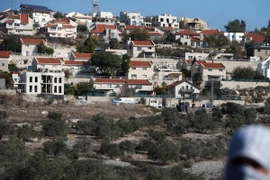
x: 48, y: 61
x: 140, y: 63
x: 176, y: 83
x: 10, y: 21
x: 189, y: 62
x: 75, y: 63
x: 185, y: 32
x: 14, y: 16
x: 67, y: 26
x: 143, y: 43
x: 82, y: 55
x: 175, y: 74
x: 24, y: 18
x: 154, y: 33
x: 100, y: 28
x: 123, y: 81
x: 129, y: 27
x: 211, y: 65
x: 211, y: 32
x: 32, y: 41
x: 255, y: 37
x: 5, y: 54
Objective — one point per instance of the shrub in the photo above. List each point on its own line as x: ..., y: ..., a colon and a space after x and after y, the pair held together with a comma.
x: 127, y: 146
x: 3, y: 115
x: 83, y: 146
x: 55, y: 147
x: 144, y: 145
x: 157, y: 135
x: 112, y: 150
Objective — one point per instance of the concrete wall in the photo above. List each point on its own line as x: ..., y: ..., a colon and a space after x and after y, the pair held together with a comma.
x: 242, y: 85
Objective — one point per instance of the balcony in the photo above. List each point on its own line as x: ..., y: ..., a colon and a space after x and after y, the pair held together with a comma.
x: 185, y: 90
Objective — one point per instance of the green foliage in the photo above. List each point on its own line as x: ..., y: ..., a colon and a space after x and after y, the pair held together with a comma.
x: 42, y: 48
x: 236, y: 26
x: 83, y: 88
x: 3, y: 115
x: 186, y: 73
x: 123, y: 71
x: 160, y: 90
x: 112, y: 150
x: 55, y: 147
x: 58, y: 15
x: 83, y: 146
x: 157, y: 135
x: 113, y: 43
x: 138, y: 35
x: 5, y: 129
x: 237, y: 50
x: 87, y: 46
x: 164, y: 151
x: 55, y: 126
x: 7, y: 76
x: 11, y: 43
x: 197, y: 79
x: 13, y: 67
x: 145, y: 145
x: 106, y: 63
x: 69, y: 89
x: 216, y: 113
x: 246, y: 73
x: 127, y: 147
x: 217, y: 41
x: 170, y: 38
x: 26, y: 132
x: 82, y: 28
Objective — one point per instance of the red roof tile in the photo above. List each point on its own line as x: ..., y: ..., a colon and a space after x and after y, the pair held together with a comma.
x: 255, y: 37
x: 24, y: 18
x: 123, y: 81
x: 48, y: 61
x: 32, y: 41
x: 176, y: 83
x: 140, y: 63
x: 130, y: 27
x: 100, y: 28
x: 211, y: 65
x: 211, y: 32
x: 185, y: 32
x: 143, y: 43
x: 154, y: 33
x: 67, y: 26
x: 175, y: 74
x: 5, y: 54
x: 14, y: 16
x: 75, y: 63
x: 10, y: 21
x: 82, y: 55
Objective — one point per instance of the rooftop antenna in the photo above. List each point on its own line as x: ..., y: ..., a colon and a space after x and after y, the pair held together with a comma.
x: 95, y: 7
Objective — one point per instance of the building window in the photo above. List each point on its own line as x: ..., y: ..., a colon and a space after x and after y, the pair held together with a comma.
x: 27, y: 45
x: 43, y: 19
x: 55, y: 89
x: 60, y: 80
x: 36, y: 79
x: 3, y: 64
x: 30, y: 88
x: 133, y: 76
x: 259, y: 50
x: 149, y: 47
x: 35, y: 88
x: 144, y: 68
x: 59, y: 28
x: 16, y: 24
x: 144, y: 76
x: 139, y: 48
x: 133, y: 68
x: 55, y: 80
x: 53, y: 28
x: 220, y: 70
x: 60, y: 89
x: 30, y: 79
x: 209, y: 69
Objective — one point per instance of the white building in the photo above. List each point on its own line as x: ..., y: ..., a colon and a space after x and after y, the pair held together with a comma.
x: 106, y: 32
x: 164, y: 20
x: 80, y: 18
x: 30, y: 46
x: 5, y: 58
x: 197, y: 55
x: 234, y: 36
x: 140, y: 70
x: 141, y: 49
x: 183, y: 89
x: 63, y: 28
x: 264, y: 68
x: 105, y: 17
x: 20, y: 24
x: 40, y: 14
x: 37, y: 83
x: 76, y: 56
x: 131, y: 18
x: 47, y: 64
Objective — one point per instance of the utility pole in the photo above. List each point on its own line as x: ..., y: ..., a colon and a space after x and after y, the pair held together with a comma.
x: 212, y: 94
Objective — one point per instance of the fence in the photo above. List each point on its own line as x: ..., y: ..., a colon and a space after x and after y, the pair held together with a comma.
x: 248, y: 80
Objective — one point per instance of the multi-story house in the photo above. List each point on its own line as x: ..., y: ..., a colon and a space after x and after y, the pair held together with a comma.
x: 40, y: 14
x: 42, y: 83
x: 30, y: 46
x: 184, y: 37
x: 209, y: 70
x: 105, y: 32
x: 64, y: 28
x: 75, y: 56
x: 164, y: 20
x: 141, y: 48
x: 47, y: 64
x: 183, y: 89
x: 104, y: 17
x: 5, y: 58
x: 115, y: 85
x: 131, y: 18
x: 186, y: 64
x: 19, y: 24
x: 80, y: 18
x: 76, y: 67
x: 264, y: 68
x: 253, y: 37
x: 140, y: 70
x: 192, y: 23
x: 258, y: 50
x: 234, y: 36
x: 196, y: 55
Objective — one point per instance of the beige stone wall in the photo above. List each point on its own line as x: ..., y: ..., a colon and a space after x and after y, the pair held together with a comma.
x: 242, y: 85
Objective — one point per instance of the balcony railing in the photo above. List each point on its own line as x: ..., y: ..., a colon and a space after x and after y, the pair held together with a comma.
x: 185, y: 90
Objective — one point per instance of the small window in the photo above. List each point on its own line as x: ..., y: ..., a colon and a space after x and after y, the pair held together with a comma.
x: 259, y: 50
x: 149, y: 47
x: 60, y: 89
x: 60, y: 80
x: 209, y: 69
x: 59, y: 28
x: 220, y: 70
x: 144, y: 68
x: 27, y: 45
x: 144, y: 76
x: 55, y: 89
x: 35, y: 88
x: 30, y: 88
x: 55, y: 80
x: 36, y: 79
x: 30, y: 79
x: 133, y: 68
x: 139, y: 48
x: 3, y: 64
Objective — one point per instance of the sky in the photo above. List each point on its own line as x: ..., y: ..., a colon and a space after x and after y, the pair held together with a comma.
x: 217, y: 13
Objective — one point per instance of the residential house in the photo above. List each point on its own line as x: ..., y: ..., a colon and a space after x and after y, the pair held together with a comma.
x: 131, y: 18
x: 155, y: 35
x: 5, y: 58
x: 79, y: 18
x: 75, y: 67
x: 30, y: 46
x: 234, y: 36
x: 47, y: 64
x: 264, y: 68
x: 64, y: 28
x: 186, y: 64
x: 196, y: 55
x: 104, y: 17
x: 42, y: 83
x: 209, y: 32
x: 195, y: 24
x: 20, y: 24
x: 253, y: 37
x: 164, y: 20
x: 258, y: 50
x: 209, y: 70
x: 140, y: 70
x: 119, y: 52
x: 115, y: 85
x: 16, y: 79
x: 184, y: 37
x: 40, y: 14
x: 141, y: 48
x: 76, y: 56
x: 105, y: 32
x: 183, y: 89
